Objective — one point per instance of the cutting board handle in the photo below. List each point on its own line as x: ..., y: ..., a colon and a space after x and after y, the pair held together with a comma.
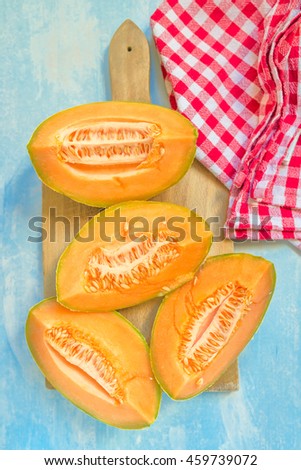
x: 129, y: 61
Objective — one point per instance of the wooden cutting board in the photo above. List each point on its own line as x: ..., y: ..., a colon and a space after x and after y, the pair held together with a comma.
x: 129, y: 62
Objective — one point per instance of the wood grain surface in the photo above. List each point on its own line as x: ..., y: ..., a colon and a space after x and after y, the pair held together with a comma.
x: 129, y: 63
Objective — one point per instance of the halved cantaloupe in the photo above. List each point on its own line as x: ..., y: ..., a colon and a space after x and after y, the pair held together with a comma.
x: 201, y: 328
x: 100, y: 362
x: 104, y: 153
x: 130, y: 253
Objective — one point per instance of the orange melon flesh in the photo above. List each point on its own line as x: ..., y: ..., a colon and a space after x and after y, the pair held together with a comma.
x: 132, y: 276
x: 104, y: 153
x: 113, y: 338
x: 179, y: 355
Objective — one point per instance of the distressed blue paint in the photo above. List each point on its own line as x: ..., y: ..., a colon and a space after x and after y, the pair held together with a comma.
x: 54, y: 55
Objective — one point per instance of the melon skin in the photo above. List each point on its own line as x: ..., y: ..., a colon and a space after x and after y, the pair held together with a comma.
x: 259, y: 277
x: 126, y: 349
x: 104, y: 185
x: 73, y: 263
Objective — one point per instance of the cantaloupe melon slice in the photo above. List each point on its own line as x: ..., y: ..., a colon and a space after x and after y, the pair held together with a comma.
x: 201, y: 327
x: 104, y: 153
x: 100, y: 362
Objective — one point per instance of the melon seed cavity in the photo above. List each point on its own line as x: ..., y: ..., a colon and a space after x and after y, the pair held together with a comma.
x: 82, y: 351
x: 110, y: 143
x: 130, y: 264
x: 211, y: 324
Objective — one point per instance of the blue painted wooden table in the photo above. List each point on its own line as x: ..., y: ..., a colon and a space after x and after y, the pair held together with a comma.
x: 54, y: 54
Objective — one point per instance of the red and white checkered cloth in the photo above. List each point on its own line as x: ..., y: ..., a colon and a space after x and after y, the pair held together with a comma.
x: 234, y: 69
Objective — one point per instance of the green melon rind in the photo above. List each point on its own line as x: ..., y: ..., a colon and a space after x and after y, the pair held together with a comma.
x: 112, y: 208
x: 43, y: 177
x: 158, y: 389
x: 207, y: 386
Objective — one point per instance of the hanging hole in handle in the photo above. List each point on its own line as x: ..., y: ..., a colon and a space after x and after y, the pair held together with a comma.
x: 129, y: 49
